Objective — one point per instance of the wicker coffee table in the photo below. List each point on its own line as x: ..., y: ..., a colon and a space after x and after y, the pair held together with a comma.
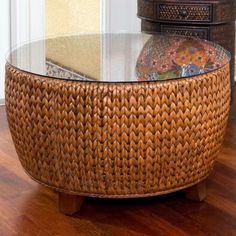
x: 118, y: 116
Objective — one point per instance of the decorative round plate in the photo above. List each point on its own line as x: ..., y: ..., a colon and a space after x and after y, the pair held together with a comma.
x: 173, y: 57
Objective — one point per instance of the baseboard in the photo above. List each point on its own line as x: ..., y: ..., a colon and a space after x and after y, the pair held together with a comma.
x: 2, y: 102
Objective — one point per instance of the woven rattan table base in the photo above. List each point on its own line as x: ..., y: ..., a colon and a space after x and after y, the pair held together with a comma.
x: 117, y: 139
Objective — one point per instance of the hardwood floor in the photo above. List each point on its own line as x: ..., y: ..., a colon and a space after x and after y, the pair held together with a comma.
x: 26, y: 208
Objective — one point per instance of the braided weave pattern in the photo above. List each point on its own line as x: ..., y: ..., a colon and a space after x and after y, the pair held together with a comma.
x: 117, y: 139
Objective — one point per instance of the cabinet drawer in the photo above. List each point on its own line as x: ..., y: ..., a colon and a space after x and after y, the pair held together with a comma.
x: 146, y: 9
x: 184, y: 12
x: 190, y: 31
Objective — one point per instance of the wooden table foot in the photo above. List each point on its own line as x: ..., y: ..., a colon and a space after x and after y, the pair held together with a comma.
x: 69, y: 204
x: 197, y: 192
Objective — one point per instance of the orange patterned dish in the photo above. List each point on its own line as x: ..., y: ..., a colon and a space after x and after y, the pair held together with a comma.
x: 170, y: 57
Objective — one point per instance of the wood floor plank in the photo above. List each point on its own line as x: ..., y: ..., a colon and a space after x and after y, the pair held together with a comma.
x: 222, y: 203
x: 206, y: 216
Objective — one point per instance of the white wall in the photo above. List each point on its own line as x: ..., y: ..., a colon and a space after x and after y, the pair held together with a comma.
x: 4, y: 42
x: 120, y: 16
x: 27, y: 21
x: 27, y: 24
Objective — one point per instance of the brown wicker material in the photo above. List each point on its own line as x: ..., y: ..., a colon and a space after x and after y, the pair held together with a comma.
x: 117, y: 139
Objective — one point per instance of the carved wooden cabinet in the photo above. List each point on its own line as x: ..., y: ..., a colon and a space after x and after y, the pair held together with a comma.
x: 208, y: 19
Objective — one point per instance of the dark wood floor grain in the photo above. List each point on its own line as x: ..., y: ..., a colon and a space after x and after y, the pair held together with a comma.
x: 29, y: 209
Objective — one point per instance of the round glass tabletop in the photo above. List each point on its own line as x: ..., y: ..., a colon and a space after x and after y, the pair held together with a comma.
x: 119, y: 57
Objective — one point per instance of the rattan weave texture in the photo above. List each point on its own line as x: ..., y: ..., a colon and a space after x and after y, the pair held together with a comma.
x: 117, y: 139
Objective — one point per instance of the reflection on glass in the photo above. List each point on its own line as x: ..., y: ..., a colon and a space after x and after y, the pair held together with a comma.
x: 119, y: 57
